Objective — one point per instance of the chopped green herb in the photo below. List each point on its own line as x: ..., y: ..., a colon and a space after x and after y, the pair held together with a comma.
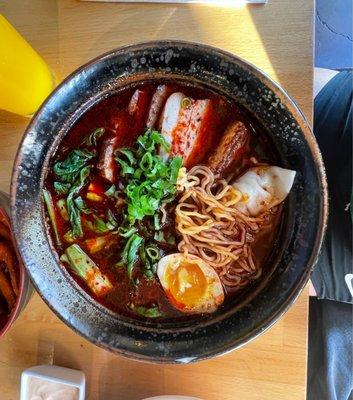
x: 126, y: 232
x: 111, y: 221
x: 72, y: 208
x: 186, y: 102
x: 151, y: 178
x: 101, y: 226
x: 111, y: 191
x: 152, y: 312
x: 61, y: 204
x: 67, y: 171
x: 92, y: 138
x: 82, y: 206
x: 86, y: 269
x: 157, y: 222
x: 68, y: 237
x: 129, y: 254
x: 159, y: 236
x: 61, y: 187
x: 153, y: 253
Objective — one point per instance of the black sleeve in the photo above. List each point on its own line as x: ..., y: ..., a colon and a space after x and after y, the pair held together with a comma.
x: 332, y: 276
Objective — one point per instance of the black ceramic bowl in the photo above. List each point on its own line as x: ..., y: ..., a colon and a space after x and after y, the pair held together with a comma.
x: 301, y: 234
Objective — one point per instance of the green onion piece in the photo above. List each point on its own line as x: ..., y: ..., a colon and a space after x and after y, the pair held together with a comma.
x: 171, y: 239
x: 185, y: 102
x: 72, y: 208
x: 80, y: 204
x: 127, y: 232
x: 128, y: 165
x: 175, y: 165
x: 86, y: 269
x: 62, y: 188
x: 111, y: 191
x: 125, y: 168
x: 98, y: 225
x: 154, y: 269
x: 51, y: 212
x: 68, y: 237
x: 149, y: 274
x: 68, y: 171
x: 157, y: 222
x: 159, y: 236
x: 128, y: 154
x: 98, y: 243
x: 153, y: 253
x: 92, y: 138
x: 63, y: 258
x: 152, y: 312
x: 146, y: 162
x: 143, y: 256
x: 129, y: 254
x: 61, y: 205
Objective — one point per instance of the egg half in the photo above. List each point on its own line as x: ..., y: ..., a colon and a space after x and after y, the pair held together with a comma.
x: 190, y: 284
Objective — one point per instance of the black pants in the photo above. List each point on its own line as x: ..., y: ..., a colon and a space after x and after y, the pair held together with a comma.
x: 330, y: 315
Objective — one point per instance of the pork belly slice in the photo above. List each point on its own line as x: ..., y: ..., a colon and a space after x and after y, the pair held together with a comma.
x: 231, y: 148
x: 138, y: 109
x: 188, y: 125
x: 116, y: 138
x: 124, y: 129
x: 157, y: 103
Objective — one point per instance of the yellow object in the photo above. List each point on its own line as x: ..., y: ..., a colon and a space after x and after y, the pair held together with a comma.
x: 94, y: 197
x: 25, y: 79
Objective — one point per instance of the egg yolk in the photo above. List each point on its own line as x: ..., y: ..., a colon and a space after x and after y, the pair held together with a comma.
x: 187, y: 283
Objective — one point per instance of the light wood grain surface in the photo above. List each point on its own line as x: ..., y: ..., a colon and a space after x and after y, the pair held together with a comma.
x: 278, y: 39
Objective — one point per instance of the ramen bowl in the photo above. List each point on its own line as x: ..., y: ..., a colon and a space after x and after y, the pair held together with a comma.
x: 291, y: 261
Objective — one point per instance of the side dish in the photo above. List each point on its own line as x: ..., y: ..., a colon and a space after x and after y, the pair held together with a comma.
x: 9, y: 271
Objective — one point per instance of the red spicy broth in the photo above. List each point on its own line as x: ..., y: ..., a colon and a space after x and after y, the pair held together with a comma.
x: 125, y: 296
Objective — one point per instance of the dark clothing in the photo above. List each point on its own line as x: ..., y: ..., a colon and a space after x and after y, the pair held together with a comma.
x: 330, y: 351
x: 333, y: 131
x: 331, y: 322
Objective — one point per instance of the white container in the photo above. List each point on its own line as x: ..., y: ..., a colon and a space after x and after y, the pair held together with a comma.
x: 44, y: 378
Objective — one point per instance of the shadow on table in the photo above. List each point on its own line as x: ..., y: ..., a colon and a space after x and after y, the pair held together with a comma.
x: 287, y: 38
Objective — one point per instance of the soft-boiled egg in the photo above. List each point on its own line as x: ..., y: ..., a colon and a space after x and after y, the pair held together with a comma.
x: 263, y: 187
x: 190, y: 284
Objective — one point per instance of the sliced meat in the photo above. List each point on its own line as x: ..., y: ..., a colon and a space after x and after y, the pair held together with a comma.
x: 138, y: 109
x: 118, y: 133
x: 123, y: 131
x: 7, y: 257
x: 157, y: 103
x: 6, y: 290
x: 231, y: 148
x: 188, y: 125
x: 5, y: 232
x: 106, y: 163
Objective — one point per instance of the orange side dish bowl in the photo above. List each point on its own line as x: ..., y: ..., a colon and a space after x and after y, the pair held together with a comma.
x: 15, y: 287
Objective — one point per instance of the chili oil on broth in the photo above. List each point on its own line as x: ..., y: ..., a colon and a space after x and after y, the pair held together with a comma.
x: 149, y: 293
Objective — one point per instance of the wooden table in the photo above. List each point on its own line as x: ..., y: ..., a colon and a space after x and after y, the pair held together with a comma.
x: 278, y: 39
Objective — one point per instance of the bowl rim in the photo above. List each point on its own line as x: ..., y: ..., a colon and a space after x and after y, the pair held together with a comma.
x: 303, y: 123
